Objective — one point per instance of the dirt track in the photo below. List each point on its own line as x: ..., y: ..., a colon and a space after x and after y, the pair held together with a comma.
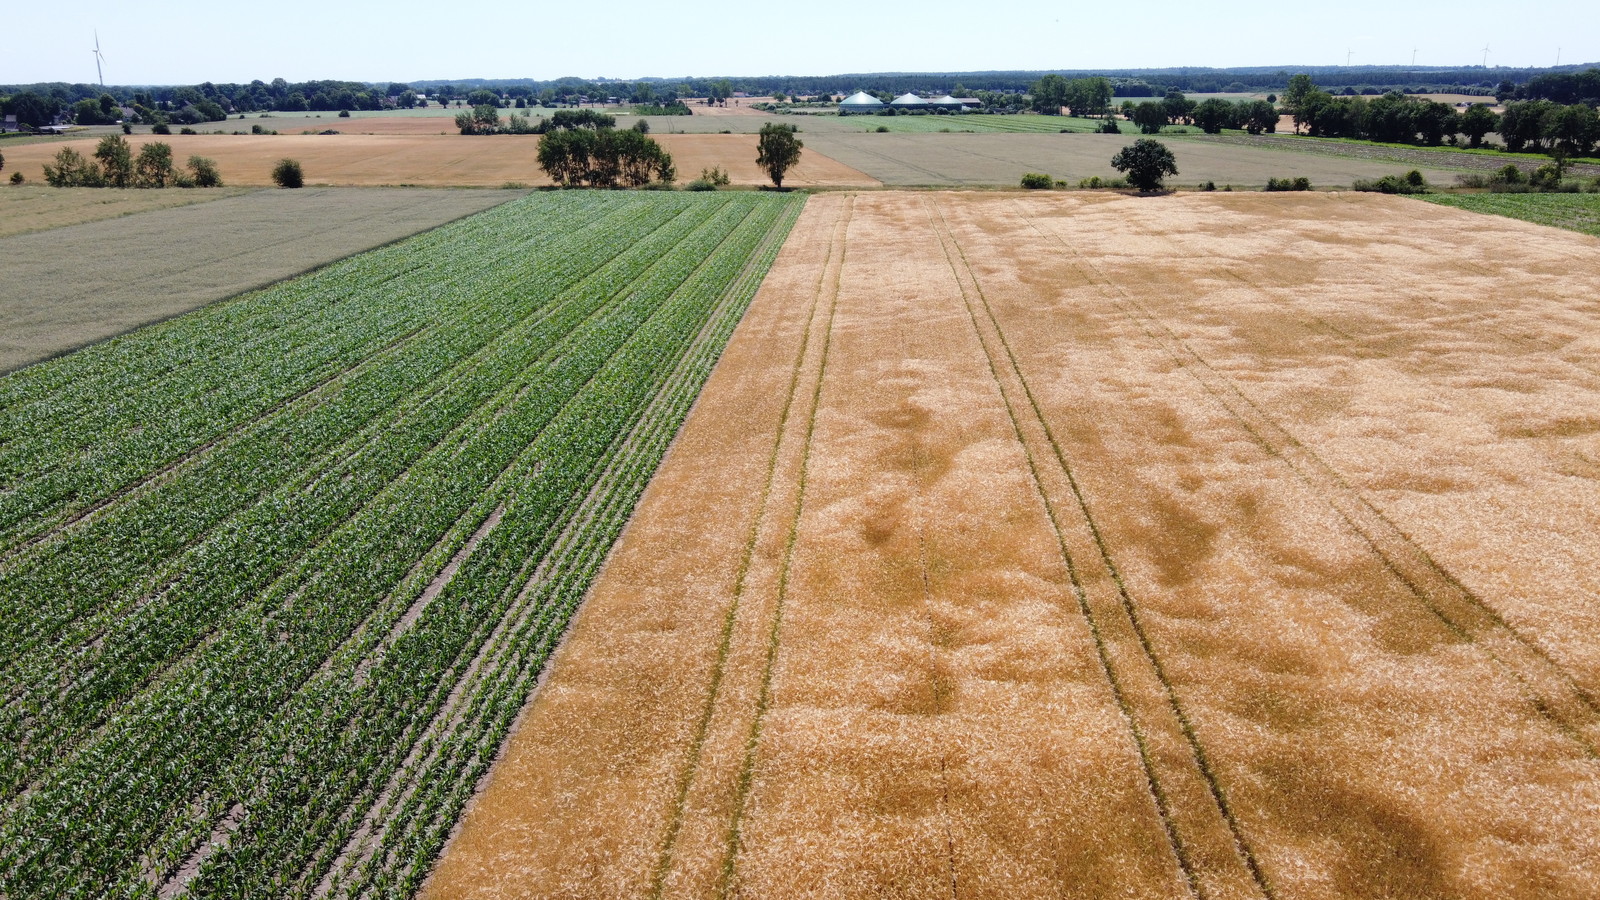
x: 1039, y: 545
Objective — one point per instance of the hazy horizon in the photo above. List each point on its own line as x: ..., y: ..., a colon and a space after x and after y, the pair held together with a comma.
x: 297, y: 40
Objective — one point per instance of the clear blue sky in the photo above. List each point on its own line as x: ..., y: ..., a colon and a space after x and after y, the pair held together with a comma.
x: 184, y: 42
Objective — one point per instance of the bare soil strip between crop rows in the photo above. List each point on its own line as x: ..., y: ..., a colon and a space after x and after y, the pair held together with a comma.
x: 1551, y: 689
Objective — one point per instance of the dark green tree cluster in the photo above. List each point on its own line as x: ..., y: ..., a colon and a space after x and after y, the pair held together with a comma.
x: 1544, y: 126
x: 604, y: 157
x: 1392, y: 118
x: 485, y: 119
x: 1213, y: 114
x: 1565, y: 88
x: 1536, y: 125
x: 570, y: 119
x: 1083, y: 96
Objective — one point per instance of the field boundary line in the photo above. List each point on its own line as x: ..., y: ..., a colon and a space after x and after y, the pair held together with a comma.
x: 1553, y: 691
x: 1241, y: 849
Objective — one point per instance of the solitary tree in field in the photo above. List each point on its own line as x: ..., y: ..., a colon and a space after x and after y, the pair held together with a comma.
x: 777, y: 150
x: 287, y: 174
x: 1145, y: 162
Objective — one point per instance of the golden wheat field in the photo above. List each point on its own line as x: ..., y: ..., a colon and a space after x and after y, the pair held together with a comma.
x: 1093, y: 546
x: 431, y: 159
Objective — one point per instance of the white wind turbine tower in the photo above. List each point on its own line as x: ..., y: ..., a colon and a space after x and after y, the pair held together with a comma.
x: 98, y: 58
x: 1485, y: 56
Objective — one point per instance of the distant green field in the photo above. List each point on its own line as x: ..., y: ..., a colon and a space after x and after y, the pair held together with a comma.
x: 1574, y: 212
x: 1025, y: 123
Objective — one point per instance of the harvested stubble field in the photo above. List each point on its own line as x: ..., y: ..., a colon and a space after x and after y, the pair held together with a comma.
x: 1001, y: 159
x: 1074, y: 545
x: 71, y: 286
x: 275, y: 577
x: 435, y: 160
x: 37, y: 207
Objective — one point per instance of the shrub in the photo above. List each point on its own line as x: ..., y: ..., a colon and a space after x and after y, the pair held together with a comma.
x: 126, y: 128
x: 1209, y: 186
x: 287, y: 174
x: 882, y: 129
x: 187, y: 130
x: 699, y: 184
x: 153, y: 167
x: 1091, y: 182
x: 1109, y: 126
x: 73, y: 170
x: 1288, y: 184
x: 1035, y: 181
x: 1394, y: 184
x: 205, y: 172
x: 716, y: 177
x: 16, y: 178
x: 344, y: 113
x: 160, y: 128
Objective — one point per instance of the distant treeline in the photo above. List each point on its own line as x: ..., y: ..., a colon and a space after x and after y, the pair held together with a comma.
x: 1568, y: 84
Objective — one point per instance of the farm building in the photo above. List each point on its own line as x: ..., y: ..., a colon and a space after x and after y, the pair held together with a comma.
x: 860, y: 102
x: 909, y: 101
x: 947, y: 102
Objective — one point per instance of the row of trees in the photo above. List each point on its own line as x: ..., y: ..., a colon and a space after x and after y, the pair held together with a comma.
x: 1557, y: 87
x: 1211, y: 114
x: 114, y: 164
x: 1537, y: 125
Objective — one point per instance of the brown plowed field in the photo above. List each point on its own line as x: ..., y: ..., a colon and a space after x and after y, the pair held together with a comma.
x: 1075, y: 545
x: 434, y: 160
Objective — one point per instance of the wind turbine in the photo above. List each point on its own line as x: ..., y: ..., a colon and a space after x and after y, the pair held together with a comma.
x: 98, y: 58
x: 1413, y: 56
x: 1486, y: 56
x: 1347, y: 55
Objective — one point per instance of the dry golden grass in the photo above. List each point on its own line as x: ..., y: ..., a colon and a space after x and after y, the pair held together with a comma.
x: 36, y: 207
x: 1067, y: 544
x: 435, y: 160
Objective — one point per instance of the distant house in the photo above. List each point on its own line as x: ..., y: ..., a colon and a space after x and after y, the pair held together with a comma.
x: 10, y: 124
